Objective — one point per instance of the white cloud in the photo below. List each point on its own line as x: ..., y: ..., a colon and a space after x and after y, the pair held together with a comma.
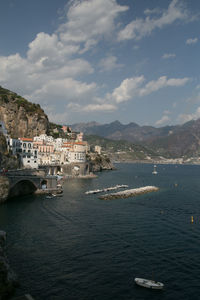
x: 76, y: 107
x: 191, y: 41
x: 109, y: 63
x: 51, y: 73
x: 131, y: 88
x: 128, y: 89
x: 153, y: 11
x: 64, y: 90
x: 162, y: 82
x: 89, y: 21
x: 99, y: 107
x: 168, y: 55
x: 140, y: 28
x: 183, y: 118
x: 164, y: 120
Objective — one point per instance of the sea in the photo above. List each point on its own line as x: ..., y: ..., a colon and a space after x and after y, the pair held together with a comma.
x: 79, y: 247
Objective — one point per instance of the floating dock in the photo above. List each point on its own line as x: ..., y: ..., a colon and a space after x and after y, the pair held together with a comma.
x: 129, y: 193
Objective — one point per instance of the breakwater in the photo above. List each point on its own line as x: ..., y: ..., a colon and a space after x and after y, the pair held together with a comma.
x: 129, y: 193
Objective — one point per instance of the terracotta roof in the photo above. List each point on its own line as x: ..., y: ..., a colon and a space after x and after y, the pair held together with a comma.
x: 26, y: 139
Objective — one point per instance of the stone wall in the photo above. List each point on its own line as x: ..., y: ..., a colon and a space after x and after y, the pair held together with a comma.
x: 4, y: 188
x: 76, y: 169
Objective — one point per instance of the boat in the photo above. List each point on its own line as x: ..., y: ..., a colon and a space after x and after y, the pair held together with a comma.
x: 154, y: 170
x: 150, y: 284
x: 57, y: 195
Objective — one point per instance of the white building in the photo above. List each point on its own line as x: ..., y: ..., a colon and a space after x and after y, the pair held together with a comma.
x: 3, y: 128
x: 44, y: 137
x: 97, y: 149
x: 24, y: 148
x: 29, y: 154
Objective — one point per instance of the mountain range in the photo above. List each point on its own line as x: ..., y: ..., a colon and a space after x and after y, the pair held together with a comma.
x: 169, y: 141
x: 25, y: 119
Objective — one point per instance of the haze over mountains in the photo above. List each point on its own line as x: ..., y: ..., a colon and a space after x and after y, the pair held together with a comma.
x: 170, y: 141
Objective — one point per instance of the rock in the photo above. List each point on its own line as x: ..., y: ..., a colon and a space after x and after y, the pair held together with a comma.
x: 130, y: 193
x: 8, y: 280
x: 100, y: 162
x: 4, y: 188
x: 21, y: 117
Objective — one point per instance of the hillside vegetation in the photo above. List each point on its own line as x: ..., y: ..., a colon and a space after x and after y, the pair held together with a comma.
x: 21, y: 117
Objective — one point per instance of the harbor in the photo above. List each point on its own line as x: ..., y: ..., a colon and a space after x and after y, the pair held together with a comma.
x: 72, y: 241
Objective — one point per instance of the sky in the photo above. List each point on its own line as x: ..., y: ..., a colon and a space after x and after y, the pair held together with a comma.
x: 104, y: 60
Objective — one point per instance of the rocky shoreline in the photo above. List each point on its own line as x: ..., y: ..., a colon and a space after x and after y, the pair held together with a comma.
x: 4, y: 188
x: 8, y: 280
x: 99, y: 162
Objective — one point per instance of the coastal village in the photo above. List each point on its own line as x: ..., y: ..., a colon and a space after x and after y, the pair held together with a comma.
x: 68, y: 154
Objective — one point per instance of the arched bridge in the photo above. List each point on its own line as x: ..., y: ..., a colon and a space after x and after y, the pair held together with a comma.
x: 27, y: 181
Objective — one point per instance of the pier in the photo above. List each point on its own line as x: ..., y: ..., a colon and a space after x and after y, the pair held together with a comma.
x: 129, y: 193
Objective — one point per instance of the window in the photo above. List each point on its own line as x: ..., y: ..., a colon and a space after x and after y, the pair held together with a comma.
x: 28, y: 161
x: 29, y: 145
x: 24, y: 145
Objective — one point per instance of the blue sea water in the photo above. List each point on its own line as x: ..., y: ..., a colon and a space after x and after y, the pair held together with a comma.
x: 80, y: 247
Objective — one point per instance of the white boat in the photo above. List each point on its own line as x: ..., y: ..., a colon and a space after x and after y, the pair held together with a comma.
x: 154, y: 170
x: 151, y: 284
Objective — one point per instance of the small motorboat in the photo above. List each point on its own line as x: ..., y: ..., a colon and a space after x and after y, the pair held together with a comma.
x: 151, y: 284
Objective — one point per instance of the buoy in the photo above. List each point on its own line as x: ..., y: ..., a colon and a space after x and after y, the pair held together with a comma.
x: 192, y: 219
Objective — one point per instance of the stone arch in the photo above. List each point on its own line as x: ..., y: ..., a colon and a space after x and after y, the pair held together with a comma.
x: 76, y: 170
x: 22, y: 187
x: 43, y: 184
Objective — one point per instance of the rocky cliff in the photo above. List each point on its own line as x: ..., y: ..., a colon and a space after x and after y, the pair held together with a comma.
x: 99, y: 162
x: 7, y: 277
x: 7, y: 160
x: 21, y: 117
x: 4, y: 188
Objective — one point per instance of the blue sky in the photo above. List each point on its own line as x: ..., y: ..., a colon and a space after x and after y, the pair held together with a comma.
x: 104, y: 60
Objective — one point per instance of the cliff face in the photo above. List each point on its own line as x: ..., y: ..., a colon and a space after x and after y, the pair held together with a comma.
x: 4, y: 188
x: 99, y: 162
x: 21, y: 118
x: 8, y: 280
x: 7, y: 160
